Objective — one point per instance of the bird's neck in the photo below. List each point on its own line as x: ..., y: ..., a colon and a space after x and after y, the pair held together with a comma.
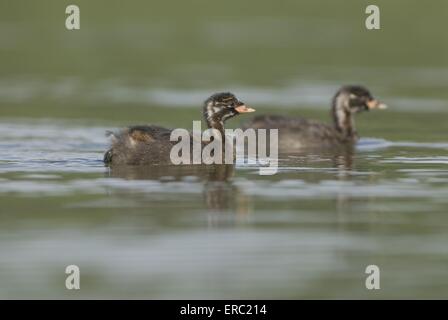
x: 343, y: 119
x: 216, y: 124
x: 216, y: 121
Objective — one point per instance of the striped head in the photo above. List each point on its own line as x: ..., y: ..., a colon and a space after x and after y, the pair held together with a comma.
x: 355, y: 99
x: 222, y: 106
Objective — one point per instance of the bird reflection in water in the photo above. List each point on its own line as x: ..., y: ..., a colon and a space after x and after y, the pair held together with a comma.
x: 221, y: 196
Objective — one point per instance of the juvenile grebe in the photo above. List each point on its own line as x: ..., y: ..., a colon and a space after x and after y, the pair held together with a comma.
x: 298, y: 133
x: 150, y: 144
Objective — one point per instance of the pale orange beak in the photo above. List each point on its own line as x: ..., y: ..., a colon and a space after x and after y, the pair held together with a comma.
x: 375, y: 104
x: 243, y: 109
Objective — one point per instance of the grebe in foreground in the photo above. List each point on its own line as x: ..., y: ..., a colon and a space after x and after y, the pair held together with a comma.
x: 150, y: 144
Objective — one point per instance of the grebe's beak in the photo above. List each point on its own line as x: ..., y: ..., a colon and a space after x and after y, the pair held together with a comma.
x: 243, y: 109
x: 375, y: 104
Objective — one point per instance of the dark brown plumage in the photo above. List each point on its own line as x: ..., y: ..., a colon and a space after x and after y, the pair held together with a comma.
x: 299, y: 133
x: 150, y: 144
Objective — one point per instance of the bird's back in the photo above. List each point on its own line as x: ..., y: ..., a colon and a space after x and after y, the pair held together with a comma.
x: 140, y: 145
x: 298, y: 133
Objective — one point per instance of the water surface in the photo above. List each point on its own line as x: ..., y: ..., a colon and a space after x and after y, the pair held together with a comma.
x: 219, y: 231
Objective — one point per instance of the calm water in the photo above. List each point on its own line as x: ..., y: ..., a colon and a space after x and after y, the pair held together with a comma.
x: 221, y: 232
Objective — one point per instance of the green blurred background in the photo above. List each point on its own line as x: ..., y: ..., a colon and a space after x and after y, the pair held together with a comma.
x: 156, y: 61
